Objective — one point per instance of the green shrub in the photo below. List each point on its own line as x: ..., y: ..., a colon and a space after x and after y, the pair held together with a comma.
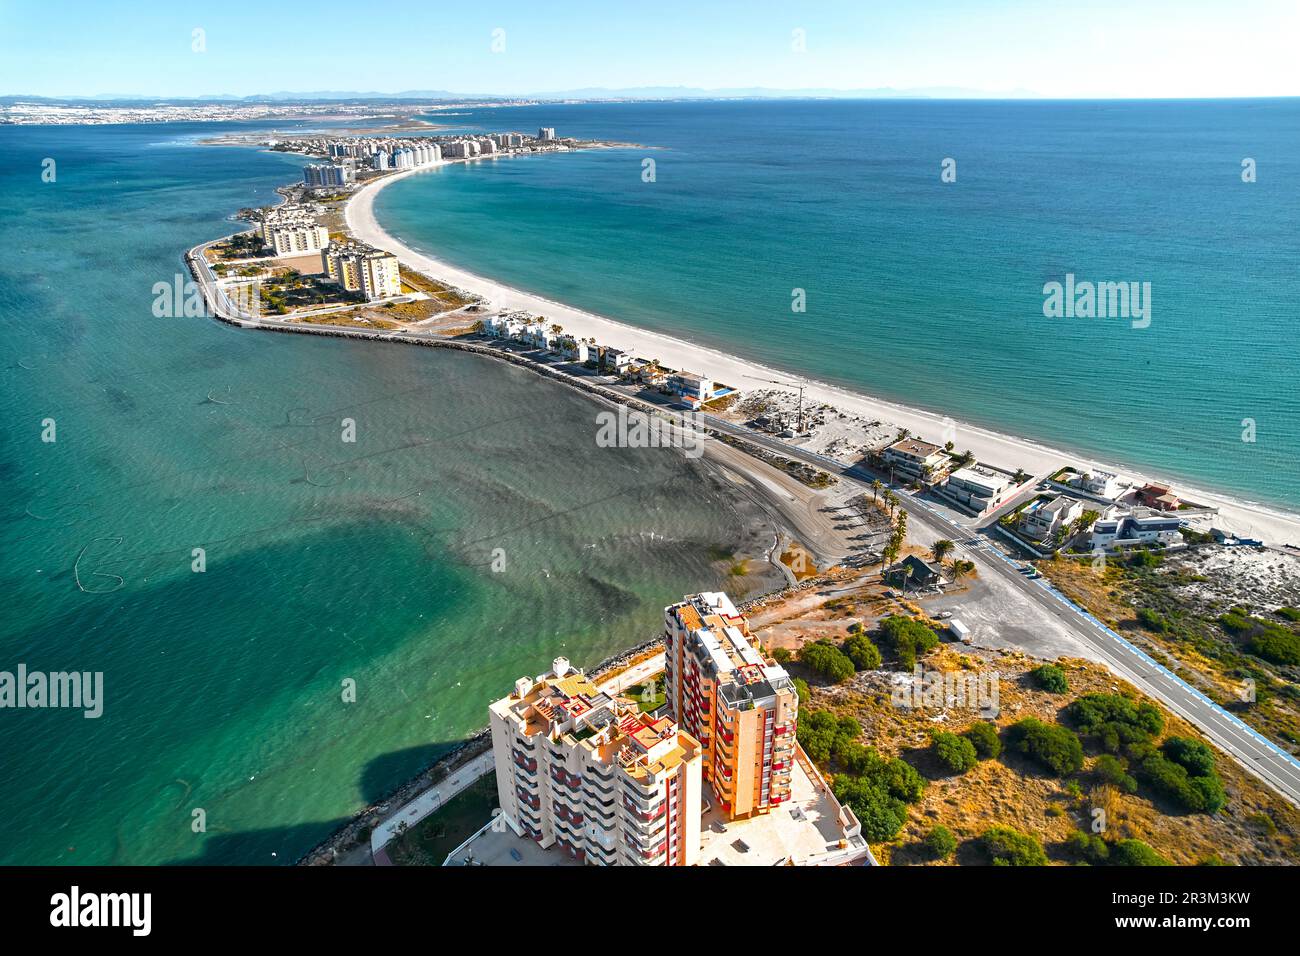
x: 1087, y: 848
x: 827, y: 660
x: 1054, y: 747
x: 1135, y: 853
x: 1144, y: 559
x: 1152, y: 620
x: 955, y: 753
x: 907, y: 638
x: 1197, y: 794
x: 782, y: 655
x: 822, y: 734
x: 941, y: 843
x: 984, y: 738
x: 1051, y: 678
x: 1116, y: 720
x: 1114, y: 770
x: 1196, y: 758
x: 1290, y: 613
x: 877, y: 789
x: 1277, y: 645
x: 1008, y: 847
x: 864, y: 655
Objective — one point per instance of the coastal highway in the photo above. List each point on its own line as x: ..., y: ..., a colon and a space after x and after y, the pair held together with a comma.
x: 1252, y: 750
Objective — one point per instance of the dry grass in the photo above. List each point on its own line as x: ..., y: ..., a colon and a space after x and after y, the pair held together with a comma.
x: 1011, y: 791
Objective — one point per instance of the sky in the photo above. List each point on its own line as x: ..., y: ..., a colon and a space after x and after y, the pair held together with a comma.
x: 1086, y: 49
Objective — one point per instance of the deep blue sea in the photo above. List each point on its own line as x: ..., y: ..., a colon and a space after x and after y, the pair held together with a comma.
x: 925, y: 292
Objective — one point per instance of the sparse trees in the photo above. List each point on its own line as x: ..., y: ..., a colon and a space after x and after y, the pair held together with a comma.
x: 1008, y: 847
x: 983, y: 736
x: 941, y: 843
x: 1056, y: 748
x: 828, y: 660
x: 956, y: 754
x: 1051, y: 679
x: 864, y: 655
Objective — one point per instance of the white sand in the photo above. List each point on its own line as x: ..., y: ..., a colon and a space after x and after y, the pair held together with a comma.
x: 1007, y: 451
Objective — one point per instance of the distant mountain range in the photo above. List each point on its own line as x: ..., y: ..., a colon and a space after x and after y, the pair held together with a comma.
x: 587, y: 93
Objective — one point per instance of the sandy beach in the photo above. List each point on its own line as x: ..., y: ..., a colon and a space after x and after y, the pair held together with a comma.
x: 1007, y: 451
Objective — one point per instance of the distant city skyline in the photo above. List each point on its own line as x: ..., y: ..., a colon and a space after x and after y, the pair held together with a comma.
x: 1108, y: 49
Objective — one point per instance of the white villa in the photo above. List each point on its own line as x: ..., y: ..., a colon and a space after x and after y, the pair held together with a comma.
x: 1045, y: 517
x: 1103, y: 484
x: 1139, y: 526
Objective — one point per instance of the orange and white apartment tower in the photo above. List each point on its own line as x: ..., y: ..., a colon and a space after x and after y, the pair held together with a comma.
x: 607, y: 783
x: 740, y: 705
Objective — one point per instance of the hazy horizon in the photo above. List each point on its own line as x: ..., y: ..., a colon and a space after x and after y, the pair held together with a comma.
x: 1204, y: 49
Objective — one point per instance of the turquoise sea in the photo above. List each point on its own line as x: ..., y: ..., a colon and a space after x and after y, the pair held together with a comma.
x: 325, y: 561
x: 372, y: 561
x: 922, y: 292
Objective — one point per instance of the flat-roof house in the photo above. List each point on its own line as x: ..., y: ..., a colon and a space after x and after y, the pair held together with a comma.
x: 1046, y: 516
x: 694, y: 389
x: 916, y: 459
x: 1141, y: 526
x: 978, y: 489
x: 1103, y: 484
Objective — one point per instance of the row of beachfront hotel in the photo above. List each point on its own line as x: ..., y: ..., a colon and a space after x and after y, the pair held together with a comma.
x: 352, y: 158
x: 589, y: 773
x: 691, y: 388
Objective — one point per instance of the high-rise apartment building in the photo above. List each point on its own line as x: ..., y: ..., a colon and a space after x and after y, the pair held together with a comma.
x: 608, y: 784
x: 362, y: 268
x: 740, y: 705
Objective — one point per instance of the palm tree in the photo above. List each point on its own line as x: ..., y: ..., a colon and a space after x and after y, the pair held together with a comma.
x: 875, y: 489
x: 941, y: 549
x: 961, y: 568
x: 907, y: 576
x: 901, y: 525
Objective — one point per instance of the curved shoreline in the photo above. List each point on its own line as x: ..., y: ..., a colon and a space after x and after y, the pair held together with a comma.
x: 1244, y: 517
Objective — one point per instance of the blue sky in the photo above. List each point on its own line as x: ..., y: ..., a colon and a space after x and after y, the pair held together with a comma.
x: 1092, y: 48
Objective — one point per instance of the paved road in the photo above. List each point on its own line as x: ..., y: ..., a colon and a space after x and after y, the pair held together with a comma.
x: 1252, y: 750
x: 1257, y: 754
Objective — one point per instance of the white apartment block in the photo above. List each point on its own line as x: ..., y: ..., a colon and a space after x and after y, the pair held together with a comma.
x: 580, y: 770
x: 299, y: 239
x: 358, y: 267
x: 979, y: 489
